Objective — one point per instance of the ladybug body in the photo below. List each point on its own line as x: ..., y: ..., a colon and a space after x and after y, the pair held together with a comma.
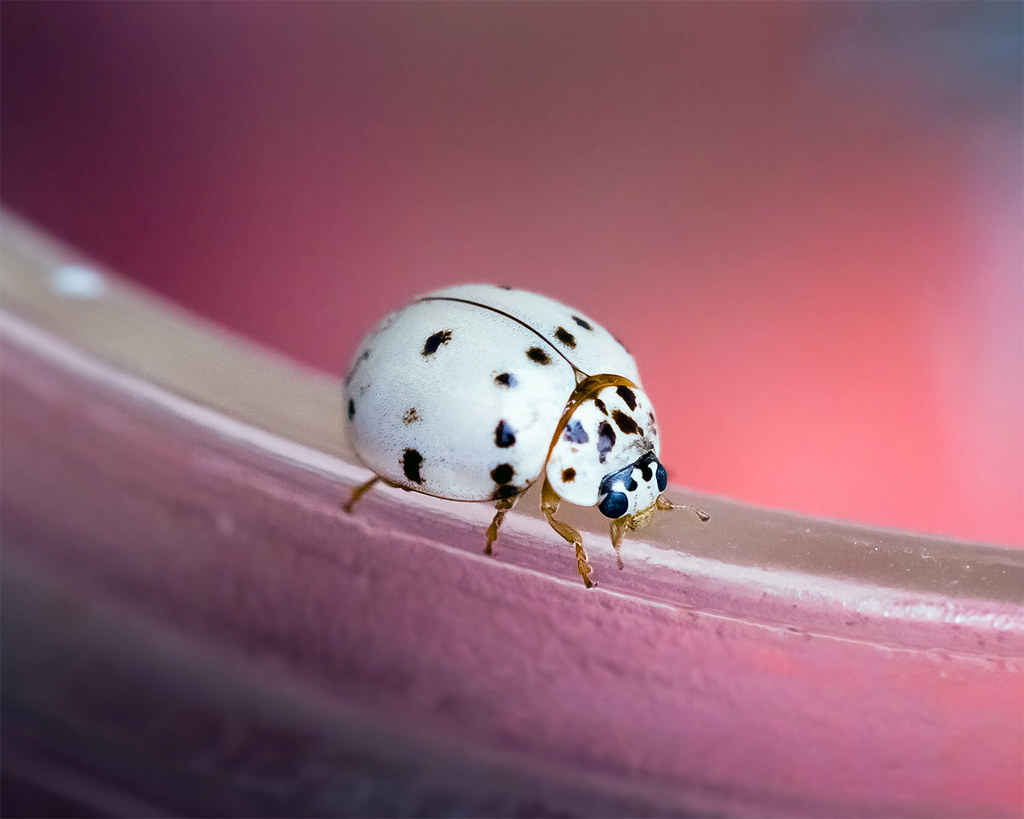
x: 474, y: 392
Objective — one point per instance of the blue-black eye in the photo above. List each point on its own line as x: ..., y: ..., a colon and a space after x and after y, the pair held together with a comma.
x: 614, y: 505
x: 662, y: 478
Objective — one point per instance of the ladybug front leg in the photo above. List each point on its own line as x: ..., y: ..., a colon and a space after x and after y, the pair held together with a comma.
x: 549, y: 503
x: 502, y: 506
x: 618, y: 530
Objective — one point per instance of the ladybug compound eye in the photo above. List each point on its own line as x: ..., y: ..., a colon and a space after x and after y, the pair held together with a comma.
x: 614, y: 505
x: 662, y: 476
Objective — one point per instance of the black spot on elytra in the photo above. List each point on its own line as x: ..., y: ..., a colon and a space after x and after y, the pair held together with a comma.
x: 503, y: 435
x: 600, y: 405
x: 411, y: 416
x: 582, y: 323
x: 631, y: 484
x: 605, y: 440
x: 351, y: 409
x: 505, y: 380
x: 624, y: 422
x: 537, y: 355
x: 504, y: 491
x: 576, y: 434
x: 411, y: 462
x: 568, y: 475
x: 567, y: 338
x: 627, y: 395
x: 503, y: 473
x: 435, y: 341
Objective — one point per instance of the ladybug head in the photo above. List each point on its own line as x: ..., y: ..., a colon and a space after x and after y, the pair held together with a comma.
x: 632, y: 495
x: 633, y: 490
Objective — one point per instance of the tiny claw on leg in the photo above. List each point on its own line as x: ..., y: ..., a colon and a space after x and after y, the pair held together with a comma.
x: 358, y: 492
x: 492, y: 531
x: 667, y: 504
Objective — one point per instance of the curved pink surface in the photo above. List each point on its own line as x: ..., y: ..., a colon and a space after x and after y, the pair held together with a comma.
x: 803, y: 219
x: 192, y: 626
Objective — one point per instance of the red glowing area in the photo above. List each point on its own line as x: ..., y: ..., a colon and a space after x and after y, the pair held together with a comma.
x: 804, y: 221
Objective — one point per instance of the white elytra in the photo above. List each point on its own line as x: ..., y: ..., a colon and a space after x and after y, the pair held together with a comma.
x: 474, y: 392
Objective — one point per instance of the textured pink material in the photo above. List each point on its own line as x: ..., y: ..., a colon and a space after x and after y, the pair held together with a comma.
x: 184, y: 598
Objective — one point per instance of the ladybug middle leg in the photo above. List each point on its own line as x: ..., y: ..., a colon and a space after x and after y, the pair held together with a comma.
x: 503, y: 506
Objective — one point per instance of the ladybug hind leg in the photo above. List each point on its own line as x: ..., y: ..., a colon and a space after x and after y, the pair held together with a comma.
x: 363, y: 488
x: 549, y: 503
x: 359, y: 491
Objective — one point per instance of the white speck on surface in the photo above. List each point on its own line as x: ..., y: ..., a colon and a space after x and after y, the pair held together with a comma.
x: 78, y: 282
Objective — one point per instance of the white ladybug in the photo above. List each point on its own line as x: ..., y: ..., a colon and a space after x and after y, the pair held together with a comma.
x: 474, y: 392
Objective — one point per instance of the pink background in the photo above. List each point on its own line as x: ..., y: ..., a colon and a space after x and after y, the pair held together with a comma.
x: 804, y: 220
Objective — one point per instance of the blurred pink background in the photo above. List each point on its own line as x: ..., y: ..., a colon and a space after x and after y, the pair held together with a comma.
x: 804, y: 220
